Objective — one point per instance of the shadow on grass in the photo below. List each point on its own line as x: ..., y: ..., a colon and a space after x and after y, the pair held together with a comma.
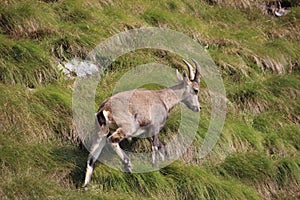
x: 73, y: 158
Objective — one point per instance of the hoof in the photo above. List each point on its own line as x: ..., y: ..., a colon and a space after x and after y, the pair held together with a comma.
x: 128, y: 167
x: 155, y: 165
x: 85, y: 187
x: 162, y: 152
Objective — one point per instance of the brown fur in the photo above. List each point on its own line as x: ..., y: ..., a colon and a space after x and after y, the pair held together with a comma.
x: 117, y: 136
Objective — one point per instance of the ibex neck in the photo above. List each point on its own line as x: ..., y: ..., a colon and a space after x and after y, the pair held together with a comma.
x: 172, y: 96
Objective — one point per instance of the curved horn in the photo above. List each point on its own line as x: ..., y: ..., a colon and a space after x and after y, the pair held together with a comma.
x: 198, y: 72
x: 191, y: 72
x: 179, y: 76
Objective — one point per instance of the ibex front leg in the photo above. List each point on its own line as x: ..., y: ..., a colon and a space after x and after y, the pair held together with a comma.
x: 157, y: 148
x: 114, y: 139
x: 93, y: 156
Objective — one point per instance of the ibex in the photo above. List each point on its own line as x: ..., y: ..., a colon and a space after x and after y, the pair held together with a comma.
x: 130, y: 113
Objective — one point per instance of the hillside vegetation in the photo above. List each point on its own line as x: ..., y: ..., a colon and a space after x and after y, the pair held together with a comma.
x: 258, y: 153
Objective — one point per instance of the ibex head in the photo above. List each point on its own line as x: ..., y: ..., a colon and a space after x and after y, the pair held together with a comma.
x: 191, y: 86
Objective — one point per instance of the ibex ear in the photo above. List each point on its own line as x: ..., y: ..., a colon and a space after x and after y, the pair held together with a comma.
x: 179, y: 76
x: 185, y: 78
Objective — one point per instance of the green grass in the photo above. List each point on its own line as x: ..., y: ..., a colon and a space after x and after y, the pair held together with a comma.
x: 257, y: 154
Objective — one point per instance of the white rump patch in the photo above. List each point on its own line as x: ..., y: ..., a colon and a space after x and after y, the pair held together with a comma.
x: 105, y: 114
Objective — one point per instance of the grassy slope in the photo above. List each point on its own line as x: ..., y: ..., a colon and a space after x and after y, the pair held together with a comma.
x: 257, y: 155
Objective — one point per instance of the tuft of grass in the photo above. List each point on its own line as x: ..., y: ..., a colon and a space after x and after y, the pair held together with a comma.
x: 47, y: 113
x: 288, y: 173
x: 194, y: 182
x: 249, y: 167
x: 24, y: 62
x: 26, y: 19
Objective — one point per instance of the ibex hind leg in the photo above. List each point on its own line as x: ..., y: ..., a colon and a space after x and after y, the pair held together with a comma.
x: 93, y: 156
